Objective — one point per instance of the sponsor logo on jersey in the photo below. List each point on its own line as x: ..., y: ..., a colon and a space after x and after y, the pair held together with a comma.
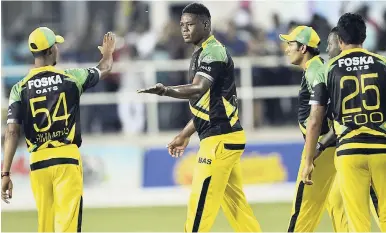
x: 45, y: 84
x: 207, y: 68
x: 356, y: 63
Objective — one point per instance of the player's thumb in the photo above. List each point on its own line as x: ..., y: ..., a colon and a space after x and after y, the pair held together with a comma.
x: 100, y: 49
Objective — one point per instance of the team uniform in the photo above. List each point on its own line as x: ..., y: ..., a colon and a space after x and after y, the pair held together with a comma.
x: 217, y: 174
x: 46, y: 102
x: 310, y: 201
x: 355, y: 83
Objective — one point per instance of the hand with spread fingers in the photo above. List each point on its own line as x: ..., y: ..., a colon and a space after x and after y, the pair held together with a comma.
x: 108, y: 45
x: 177, y: 147
x: 158, y: 89
x: 6, y: 189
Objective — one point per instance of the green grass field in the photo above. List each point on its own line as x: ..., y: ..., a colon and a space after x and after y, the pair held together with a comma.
x: 272, y: 217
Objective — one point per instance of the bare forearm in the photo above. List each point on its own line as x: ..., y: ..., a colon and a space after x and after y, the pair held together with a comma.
x: 328, y: 139
x: 188, y: 130
x: 184, y: 91
x: 105, y: 65
x: 314, y: 126
x: 10, y: 145
x: 313, y: 131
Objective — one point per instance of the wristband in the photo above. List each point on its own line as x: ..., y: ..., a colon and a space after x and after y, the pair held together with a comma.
x: 4, y: 174
x: 320, y: 147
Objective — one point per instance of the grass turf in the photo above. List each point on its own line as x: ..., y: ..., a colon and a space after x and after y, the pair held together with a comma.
x: 272, y: 217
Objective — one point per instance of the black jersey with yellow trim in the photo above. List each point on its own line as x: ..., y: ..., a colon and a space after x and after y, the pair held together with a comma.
x: 309, y: 75
x: 216, y: 111
x: 46, y: 102
x: 355, y: 81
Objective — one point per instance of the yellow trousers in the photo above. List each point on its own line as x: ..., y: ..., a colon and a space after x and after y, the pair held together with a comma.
x: 57, y: 185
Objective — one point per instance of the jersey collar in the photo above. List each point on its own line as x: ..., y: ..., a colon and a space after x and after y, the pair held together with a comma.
x: 308, y: 63
x: 347, y: 51
x: 43, y: 68
x: 205, y: 43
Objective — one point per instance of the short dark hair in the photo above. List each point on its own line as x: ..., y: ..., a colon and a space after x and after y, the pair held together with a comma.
x: 311, y: 50
x: 352, y: 28
x: 197, y: 9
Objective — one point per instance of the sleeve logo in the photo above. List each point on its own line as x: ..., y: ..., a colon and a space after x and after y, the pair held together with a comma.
x: 207, y: 59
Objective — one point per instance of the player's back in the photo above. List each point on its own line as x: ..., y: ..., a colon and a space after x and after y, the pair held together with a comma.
x: 357, y: 84
x: 46, y: 101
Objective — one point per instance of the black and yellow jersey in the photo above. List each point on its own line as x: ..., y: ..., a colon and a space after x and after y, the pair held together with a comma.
x: 311, y: 70
x: 46, y: 102
x: 355, y: 82
x: 216, y: 111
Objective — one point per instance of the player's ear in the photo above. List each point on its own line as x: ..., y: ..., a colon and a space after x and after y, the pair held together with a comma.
x: 206, y: 24
x: 49, y: 51
x: 340, y: 42
x: 303, y: 48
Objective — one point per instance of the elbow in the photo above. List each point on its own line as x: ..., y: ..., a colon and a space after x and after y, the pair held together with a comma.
x: 201, y: 89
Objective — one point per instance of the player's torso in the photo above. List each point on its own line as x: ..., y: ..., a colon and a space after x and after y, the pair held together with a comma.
x: 304, y: 109
x: 357, y: 87
x: 50, y: 101
x: 216, y: 111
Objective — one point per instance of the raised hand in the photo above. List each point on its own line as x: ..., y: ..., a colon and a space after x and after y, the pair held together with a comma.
x: 108, y: 45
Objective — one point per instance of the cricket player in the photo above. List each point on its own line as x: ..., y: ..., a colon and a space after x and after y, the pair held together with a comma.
x: 213, y: 102
x: 354, y: 82
x: 310, y: 201
x: 46, y: 104
x: 334, y: 50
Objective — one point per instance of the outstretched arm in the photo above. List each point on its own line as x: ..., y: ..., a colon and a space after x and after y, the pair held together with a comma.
x: 199, y: 86
x: 211, y: 66
x: 87, y: 78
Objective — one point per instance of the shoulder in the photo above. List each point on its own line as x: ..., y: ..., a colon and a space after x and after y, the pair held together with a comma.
x: 74, y: 71
x: 315, y: 67
x: 16, y: 91
x: 213, y: 52
x: 376, y: 57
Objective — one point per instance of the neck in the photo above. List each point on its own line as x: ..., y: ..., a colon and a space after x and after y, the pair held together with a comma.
x: 306, y: 58
x: 198, y: 45
x: 40, y: 62
x: 350, y: 46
